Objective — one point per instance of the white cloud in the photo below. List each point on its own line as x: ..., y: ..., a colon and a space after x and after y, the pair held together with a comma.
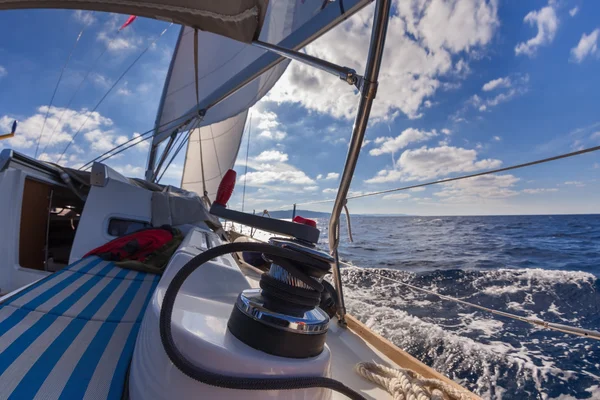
x: 311, y: 188
x: 70, y: 160
x: 97, y: 135
x: 546, y: 22
x: 414, y: 62
x: 573, y: 11
x: 272, y: 135
x: 124, y: 91
x: 129, y: 170
x: 261, y: 178
x: 100, y: 80
x: 430, y: 163
x: 140, y: 144
x: 120, y: 43
x: 63, y: 122
x: 332, y: 176
x: 100, y: 141
x: 575, y: 183
x: 479, y: 189
x: 84, y: 17
x: 267, y: 122
x: 417, y: 189
x: 497, y: 138
x: 497, y: 83
x: 446, y: 131
x: 330, y: 190
x: 272, y: 155
x: 595, y: 135
x: 272, y: 172
x: 539, y: 190
x: 3, y: 72
x: 396, y: 196
x: 518, y: 85
x: 389, y: 145
x: 587, y: 46
x: 320, y: 176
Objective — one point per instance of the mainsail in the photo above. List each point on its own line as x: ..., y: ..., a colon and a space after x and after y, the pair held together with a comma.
x: 232, y: 76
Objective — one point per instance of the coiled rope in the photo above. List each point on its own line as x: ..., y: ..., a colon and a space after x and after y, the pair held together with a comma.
x: 405, y: 384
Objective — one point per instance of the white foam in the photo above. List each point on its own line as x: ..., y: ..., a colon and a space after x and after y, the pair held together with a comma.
x: 378, y: 304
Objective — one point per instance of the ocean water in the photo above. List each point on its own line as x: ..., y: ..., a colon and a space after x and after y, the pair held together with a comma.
x: 535, y: 266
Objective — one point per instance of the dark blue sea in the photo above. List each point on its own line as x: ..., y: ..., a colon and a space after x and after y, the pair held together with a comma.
x: 545, y: 267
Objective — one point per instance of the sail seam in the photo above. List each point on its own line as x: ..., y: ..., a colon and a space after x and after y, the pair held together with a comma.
x: 246, y: 14
x: 218, y: 68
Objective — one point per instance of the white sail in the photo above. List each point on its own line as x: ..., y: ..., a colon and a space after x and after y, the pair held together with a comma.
x: 219, y: 59
x: 225, y: 64
x: 220, y: 145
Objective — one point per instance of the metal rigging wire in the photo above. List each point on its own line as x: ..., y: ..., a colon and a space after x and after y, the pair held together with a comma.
x: 87, y: 74
x: 122, y: 150
x: 492, y: 171
x: 109, y: 152
x: 183, y: 142
x: 246, y: 167
x: 176, y: 147
x: 110, y: 90
x: 62, y: 71
x: 138, y: 138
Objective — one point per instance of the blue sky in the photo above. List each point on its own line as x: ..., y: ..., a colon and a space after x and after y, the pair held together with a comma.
x: 465, y: 86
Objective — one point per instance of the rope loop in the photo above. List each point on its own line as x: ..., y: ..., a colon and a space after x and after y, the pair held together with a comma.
x: 405, y: 384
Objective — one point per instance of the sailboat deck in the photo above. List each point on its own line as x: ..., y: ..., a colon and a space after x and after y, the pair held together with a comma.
x: 72, y: 334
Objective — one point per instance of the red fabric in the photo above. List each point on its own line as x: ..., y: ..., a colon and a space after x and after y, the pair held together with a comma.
x: 128, y: 22
x: 136, y: 246
x: 305, y: 221
x: 226, y: 188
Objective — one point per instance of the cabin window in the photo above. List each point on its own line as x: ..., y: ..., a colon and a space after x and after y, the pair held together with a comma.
x: 121, y: 227
x: 49, y: 218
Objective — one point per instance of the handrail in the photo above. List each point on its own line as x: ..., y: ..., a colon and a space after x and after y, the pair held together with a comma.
x: 368, y: 89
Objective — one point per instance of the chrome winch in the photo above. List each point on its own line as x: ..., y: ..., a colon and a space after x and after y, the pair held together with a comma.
x: 283, y: 317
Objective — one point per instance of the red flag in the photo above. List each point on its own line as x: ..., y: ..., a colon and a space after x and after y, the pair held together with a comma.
x: 128, y: 22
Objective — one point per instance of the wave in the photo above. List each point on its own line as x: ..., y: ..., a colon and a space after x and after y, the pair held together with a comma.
x: 496, y: 358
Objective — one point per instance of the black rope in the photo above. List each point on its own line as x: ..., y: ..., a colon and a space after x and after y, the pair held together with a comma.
x: 221, y: 380
x: 283, y: 292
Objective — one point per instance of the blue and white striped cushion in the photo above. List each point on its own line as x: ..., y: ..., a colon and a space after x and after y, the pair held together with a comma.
x: 72, y: 334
